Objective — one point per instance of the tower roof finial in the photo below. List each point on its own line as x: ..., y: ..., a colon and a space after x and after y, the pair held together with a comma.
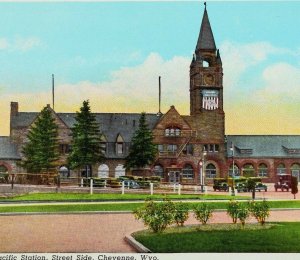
x: 206, y: 39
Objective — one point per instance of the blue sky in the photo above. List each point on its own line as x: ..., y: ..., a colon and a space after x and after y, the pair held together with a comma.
x: 118, y: 48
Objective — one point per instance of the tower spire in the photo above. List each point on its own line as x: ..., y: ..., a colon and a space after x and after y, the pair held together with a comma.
x: 206, y: 39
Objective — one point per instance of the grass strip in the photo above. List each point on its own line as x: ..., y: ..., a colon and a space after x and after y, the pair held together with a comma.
x: 125, y: 206
x: 233, y: 240
x: 112, y: 196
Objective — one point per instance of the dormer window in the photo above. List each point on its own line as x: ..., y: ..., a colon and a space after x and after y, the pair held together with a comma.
x: 119, y: 145
x: 172, y: 131
x: 103, y: 144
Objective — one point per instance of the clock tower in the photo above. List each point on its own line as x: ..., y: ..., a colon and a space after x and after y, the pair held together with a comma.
x: 206, y: 86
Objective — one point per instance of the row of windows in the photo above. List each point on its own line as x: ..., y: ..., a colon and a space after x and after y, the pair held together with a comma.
x: 119, y: 148
x: 188, y: 171
x: 173, y: 148
x: 172, y: 132
x: 263, y: 171
x: 211, y: 148
x: 103, y: 171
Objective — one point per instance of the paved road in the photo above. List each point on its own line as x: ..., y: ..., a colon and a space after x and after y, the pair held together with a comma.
x: 86, y: 232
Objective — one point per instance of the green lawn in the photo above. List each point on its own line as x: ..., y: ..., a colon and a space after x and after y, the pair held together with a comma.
x: 274, y: 238
x: 114, y: 196
x: 70, y: 208
x: 125, y: 206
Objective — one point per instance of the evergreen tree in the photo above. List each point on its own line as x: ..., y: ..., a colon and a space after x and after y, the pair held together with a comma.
x: 41, y: 150
x: 86, y: 138
x: 142, y: 151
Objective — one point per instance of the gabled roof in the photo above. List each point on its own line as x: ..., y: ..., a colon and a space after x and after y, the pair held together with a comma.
x: 172, y: 116
x: 206, y: 39
x: 8, y: 150
x: 257, y: 146
x: 111, y: 124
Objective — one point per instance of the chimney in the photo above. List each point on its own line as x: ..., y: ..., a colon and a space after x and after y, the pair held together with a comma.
x: 14, y: 108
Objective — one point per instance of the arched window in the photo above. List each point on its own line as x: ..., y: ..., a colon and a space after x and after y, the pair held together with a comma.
x: 3, y: 169
x: 205, y: 64
x: 119, y: 171
x: 211, y: 171
x: 295, y: 170
x: 248, y: 170
x: 262, y: 170
x: 236, y: 171
x: 188, y: 172
x: 158, y: 171
x: 103, y: 171
x: 281, y: 169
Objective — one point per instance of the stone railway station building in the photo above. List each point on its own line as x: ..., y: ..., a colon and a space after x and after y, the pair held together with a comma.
x: 187, y: 144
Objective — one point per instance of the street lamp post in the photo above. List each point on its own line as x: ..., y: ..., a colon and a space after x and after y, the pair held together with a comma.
x: 233, y: 174
x: 202, y: 172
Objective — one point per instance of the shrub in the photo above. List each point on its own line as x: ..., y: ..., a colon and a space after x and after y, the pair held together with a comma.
x: 157, y: 216
x: 260, y: 210
x: 203, y: 212
x: 232, y: 210
x: 243, y: 213
x: 181, y: 213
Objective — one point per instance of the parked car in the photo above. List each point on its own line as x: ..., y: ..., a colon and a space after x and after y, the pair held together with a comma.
x: 260, y: 187
x: 220, y: 186
x: 241, y: 187
x: 131, y: 184
x: 283, y: 182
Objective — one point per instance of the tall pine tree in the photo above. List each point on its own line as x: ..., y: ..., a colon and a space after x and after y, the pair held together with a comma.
x: 41, y: 150
x: 142, y: 150
x: 86, y: 138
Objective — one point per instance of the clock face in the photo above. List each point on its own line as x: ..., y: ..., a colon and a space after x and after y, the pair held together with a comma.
x: 209, y: 79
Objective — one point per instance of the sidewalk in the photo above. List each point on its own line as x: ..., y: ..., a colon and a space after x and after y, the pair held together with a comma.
x: 87, y: 232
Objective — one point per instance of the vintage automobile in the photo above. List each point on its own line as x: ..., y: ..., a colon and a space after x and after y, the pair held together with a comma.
x: 260, y: 187
x: 220, y: 185
x: 241, y: 187
x: 283, y: 182
x: 131, y: 184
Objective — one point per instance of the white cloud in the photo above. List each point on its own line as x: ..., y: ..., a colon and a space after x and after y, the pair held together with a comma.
x: 25, y: 44
x: 129, y: 89
x: 3, y: 44
x: 19, y: 43
x: 237, y: 58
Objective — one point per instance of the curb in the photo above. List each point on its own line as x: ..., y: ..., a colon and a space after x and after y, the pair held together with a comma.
x: 136, y: 245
